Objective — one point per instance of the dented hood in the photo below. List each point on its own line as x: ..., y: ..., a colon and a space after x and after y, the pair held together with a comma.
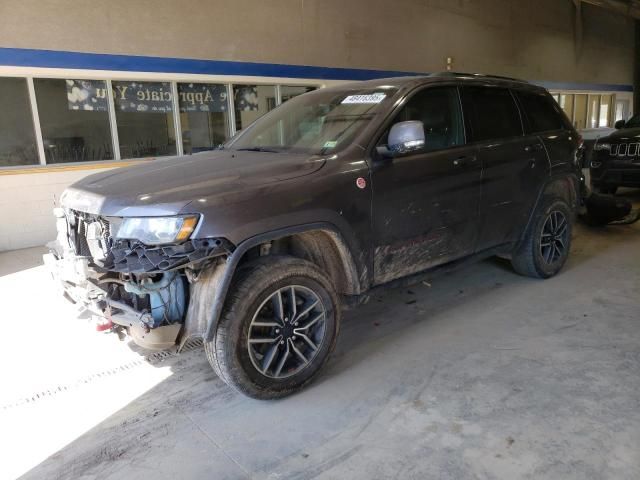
x: 166, y: 186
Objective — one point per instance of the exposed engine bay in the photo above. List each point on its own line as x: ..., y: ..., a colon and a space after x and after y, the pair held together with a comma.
x: 125, y: 284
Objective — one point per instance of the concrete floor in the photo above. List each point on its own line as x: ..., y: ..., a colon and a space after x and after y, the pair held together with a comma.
x: 483, y: 374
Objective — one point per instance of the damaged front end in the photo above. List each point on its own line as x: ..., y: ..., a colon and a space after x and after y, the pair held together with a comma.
x: 150, y: 291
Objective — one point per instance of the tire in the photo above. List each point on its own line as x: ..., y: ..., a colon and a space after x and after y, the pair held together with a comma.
x: 553, y: 218
x: 608, y: 190
x: 241, y: 364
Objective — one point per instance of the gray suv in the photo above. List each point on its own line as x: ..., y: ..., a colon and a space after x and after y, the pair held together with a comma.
x: 257, y: 246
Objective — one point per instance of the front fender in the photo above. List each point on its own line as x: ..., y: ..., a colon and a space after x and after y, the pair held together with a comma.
x: 209, y: 292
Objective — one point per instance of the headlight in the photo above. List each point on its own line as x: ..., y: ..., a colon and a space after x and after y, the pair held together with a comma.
x: 157, y: 230
x: 602, y: 146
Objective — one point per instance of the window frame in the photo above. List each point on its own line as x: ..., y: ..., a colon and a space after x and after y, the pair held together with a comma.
x: 469, y: 123
x: 387, y: 122
x: 178, y: 120
x: 527, y: 124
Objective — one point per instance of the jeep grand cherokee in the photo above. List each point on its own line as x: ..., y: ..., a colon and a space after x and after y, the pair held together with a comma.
x: 255, y: 247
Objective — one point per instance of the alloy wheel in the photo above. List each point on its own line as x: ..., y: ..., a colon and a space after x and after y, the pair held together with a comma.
x: 286, y: 331
x: 554, y: 237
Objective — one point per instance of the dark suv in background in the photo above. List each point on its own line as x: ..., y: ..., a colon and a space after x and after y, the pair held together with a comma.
x: 615, y: 161
x: 255, y: 247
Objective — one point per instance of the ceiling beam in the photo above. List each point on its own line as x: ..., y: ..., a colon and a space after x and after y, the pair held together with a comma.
x: 577, y: 27
x: 629, y: 8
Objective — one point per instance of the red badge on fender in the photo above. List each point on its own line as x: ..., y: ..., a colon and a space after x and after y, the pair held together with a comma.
x: 361, y: 182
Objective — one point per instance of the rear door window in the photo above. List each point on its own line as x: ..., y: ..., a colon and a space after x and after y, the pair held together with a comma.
x: 541, y: 111
x: 490, y: 113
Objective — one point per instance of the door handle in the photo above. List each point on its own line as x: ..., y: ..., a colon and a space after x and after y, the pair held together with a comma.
x: 534, y: 147
x: 461, y: 161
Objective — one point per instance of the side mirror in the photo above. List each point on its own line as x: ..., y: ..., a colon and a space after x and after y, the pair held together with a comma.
x: 406, y: 137
x: 619, y: 124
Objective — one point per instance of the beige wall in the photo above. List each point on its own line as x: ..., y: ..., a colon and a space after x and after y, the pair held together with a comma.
x: 532, y: 39
x: 26, y: 206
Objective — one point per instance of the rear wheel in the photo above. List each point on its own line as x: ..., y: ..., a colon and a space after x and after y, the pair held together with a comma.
x: 279, y: 326
x: 545, y: 247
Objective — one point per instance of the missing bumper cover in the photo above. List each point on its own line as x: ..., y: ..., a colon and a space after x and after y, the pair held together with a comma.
x: 130, y: 256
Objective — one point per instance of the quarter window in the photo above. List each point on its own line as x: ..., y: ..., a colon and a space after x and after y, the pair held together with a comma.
x: 542, y: 113
x: 491, y: 113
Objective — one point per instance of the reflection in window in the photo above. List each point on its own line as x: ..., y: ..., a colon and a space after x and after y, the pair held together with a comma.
x: 204, y: 116
x: 251, y: 102
x: 17, y: 137
x: 74, y: 120
x: 287, y: 92
x: 144, y: 114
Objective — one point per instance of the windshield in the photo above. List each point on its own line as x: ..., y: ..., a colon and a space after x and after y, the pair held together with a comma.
x: 319, y: 122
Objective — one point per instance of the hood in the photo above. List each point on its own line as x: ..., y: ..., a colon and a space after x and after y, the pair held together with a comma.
x: 166, y: 186
x: 624, y: 135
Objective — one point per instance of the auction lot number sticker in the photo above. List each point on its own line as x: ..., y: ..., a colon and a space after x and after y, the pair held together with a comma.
x: 371, y: 98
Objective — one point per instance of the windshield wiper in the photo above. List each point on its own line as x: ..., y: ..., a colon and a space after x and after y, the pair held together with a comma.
x: 256, y: 149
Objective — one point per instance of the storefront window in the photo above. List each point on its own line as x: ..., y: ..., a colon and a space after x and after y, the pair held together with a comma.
x: 204, y: 116
x: 594, y: 111
x: 74, y: 120
x: 251, y: 102
x: 566, y: 103
x: 144, y: 114
x: 287, y: 92
x: 580, y: 111
x: 605, y: 110
x: 17, y: 137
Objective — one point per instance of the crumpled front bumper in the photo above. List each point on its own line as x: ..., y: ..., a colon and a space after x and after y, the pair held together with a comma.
x: 80, y: 283
x: 72, y: 274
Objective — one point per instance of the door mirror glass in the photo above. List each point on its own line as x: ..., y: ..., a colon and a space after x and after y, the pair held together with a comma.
x: 406, y: 137
x: 619, y: 124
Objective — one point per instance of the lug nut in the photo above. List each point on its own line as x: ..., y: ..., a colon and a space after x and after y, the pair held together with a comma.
x: 281, y: 342
x: 277, y: 330
x: 293, y: 338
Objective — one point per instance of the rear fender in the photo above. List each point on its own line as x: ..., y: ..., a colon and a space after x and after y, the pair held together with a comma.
x: 564, y: 185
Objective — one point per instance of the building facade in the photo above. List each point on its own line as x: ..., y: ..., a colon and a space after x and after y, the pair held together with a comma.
x: 85, y: 88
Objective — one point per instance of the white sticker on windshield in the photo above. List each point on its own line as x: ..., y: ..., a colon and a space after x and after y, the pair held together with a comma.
x: 371, y: 98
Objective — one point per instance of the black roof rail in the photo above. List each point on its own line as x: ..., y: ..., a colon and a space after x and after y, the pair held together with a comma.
x: 476, y: 75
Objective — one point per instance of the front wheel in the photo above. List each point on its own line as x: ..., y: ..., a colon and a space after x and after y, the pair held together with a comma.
x: 278, y: 328
x: 545, y: 246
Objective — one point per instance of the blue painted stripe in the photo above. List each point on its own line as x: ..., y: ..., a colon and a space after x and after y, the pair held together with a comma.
x: 22, y: 57
x: 134, y: 63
